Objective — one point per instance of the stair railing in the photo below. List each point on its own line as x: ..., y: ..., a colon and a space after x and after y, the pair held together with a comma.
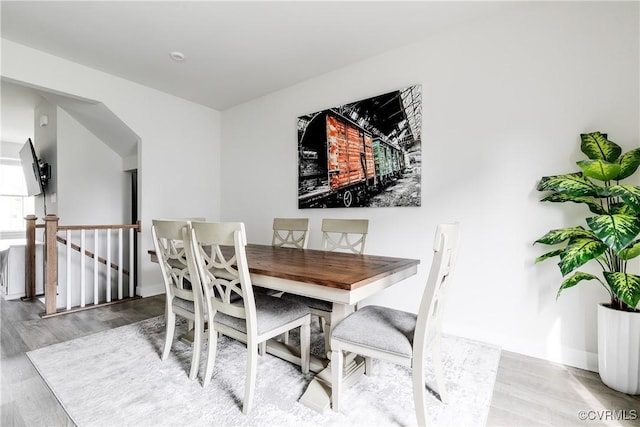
x: 69, y: 243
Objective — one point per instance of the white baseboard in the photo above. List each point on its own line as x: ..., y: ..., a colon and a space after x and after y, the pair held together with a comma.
x: 567, y: 356
x: 150, y: 290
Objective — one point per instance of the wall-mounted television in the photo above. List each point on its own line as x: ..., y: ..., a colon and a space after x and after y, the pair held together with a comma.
x: 36, y: 174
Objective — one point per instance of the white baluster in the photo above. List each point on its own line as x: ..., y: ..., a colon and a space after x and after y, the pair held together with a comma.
x: 108, y: 265
x: 68, y: 236
x: 120, y: 264
x: 82, y: 269
x: 131, y: 262
x: 95, y: 266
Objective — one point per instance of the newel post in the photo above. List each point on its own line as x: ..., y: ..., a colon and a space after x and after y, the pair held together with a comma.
x: 51, y: 268
x: 30, y: 258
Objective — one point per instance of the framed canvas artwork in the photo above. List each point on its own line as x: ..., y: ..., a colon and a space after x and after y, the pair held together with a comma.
x: 365, y: 153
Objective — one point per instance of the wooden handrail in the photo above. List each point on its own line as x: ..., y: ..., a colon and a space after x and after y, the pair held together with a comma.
x: 98, y: 227
x: 91, y: 254
x: 95, y: 227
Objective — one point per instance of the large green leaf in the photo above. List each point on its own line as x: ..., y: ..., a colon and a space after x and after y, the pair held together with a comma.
x: 597, y: 147
x: 630, y: 194
x: 623, y: 209
x: 631, y: 251
x: 580, y: 250
x: 594, y: 206
x: 629, y: 163
x: 625, y: 286
x: 574, y: 184
x: 617, y: 231
x: 599, y: 169
x: 549, y: 255
x: 554, y: 237
x: 577, y: 278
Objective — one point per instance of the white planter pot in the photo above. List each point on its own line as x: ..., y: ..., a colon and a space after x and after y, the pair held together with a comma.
x: 619, y: 349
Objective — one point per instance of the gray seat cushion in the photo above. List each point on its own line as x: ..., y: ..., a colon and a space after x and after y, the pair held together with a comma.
x: 271, y: 313
x: 379, y: 328
x: 261, y: 290
x: 314, y: 303
x: 183, y: 304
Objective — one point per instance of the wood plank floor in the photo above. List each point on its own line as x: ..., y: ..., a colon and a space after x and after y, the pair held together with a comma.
x: 528, y: 391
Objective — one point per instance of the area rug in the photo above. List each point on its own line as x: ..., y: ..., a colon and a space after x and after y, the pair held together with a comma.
x: 116, y: 377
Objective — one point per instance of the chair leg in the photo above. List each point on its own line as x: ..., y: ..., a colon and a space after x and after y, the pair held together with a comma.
x: 196, y: 348
x: 337, y: 366
x: 368, y: 365
x: 437, y: 369
x: 327, y: 334
x: 211, y: 356
x: 250, y: 382
x: 262, y: 348
x: 285, y: 337
x: 305, y: 347
x: 419, y: 390
x: 170, y: 325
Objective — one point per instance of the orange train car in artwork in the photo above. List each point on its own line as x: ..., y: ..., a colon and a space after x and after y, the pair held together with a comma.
x: 350, y: 154
x: 337, y: 163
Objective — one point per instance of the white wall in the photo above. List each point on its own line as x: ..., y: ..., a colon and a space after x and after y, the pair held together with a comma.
x: 179, y: 140
x: 46, y: 146
x: 504, y: 102
x: 92, y: 187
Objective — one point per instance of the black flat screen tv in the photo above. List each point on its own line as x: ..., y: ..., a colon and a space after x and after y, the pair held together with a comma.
x: 31, y: 169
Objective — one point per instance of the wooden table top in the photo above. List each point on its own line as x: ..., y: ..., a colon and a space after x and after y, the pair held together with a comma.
x: 332, y: 269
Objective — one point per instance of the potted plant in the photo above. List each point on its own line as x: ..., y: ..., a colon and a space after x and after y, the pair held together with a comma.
x: 610, y: 239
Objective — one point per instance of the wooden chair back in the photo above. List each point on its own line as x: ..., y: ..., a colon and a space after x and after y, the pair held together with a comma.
x: 429, y: 322
x: 290, y: 232
x: 168, y: 239
x: 344, y: 235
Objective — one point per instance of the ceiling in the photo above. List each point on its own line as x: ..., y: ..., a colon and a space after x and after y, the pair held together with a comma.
x: 234, y: 51
x: 18, y: 121
x: 18, y: 103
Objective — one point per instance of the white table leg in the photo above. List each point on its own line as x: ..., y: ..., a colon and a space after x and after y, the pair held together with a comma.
x: 318, y: 395
x: 291, y: 354
x: 338, y: 313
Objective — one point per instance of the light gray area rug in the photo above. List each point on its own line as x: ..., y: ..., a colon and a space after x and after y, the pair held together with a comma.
x: 116, y: 378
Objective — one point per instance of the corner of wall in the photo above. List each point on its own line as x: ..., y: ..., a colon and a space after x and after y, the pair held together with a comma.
x: 150, y: 290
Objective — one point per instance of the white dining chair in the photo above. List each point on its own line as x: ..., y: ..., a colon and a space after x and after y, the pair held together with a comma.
x: 344, y: 235
x: 287, y: 233
x: 338, y: 235
x: 290, y: 233
x: 401, y: 337
x: 216, y: 256
x: 182, y: 299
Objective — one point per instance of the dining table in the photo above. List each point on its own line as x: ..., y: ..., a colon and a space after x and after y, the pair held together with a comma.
x: 344, y: 279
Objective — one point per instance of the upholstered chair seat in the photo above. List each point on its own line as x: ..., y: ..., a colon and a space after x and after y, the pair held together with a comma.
x: 381, y: 328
